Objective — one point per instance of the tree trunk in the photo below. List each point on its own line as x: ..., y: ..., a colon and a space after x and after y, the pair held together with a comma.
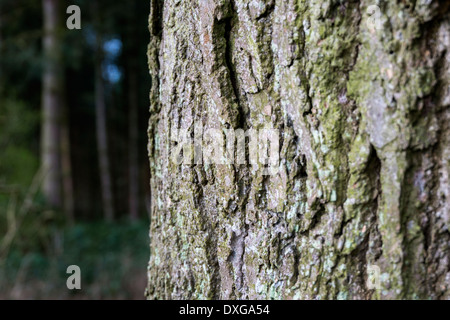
x: 51, y: 103
x: 102, y: 136
x: 358, y: 207
x: 133, y: 114
x: 66, y: 165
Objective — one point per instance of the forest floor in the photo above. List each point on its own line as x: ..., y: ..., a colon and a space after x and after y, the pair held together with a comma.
x: 112, y: 258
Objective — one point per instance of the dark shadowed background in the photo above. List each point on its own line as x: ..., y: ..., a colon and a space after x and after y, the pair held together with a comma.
x: 73, y: 161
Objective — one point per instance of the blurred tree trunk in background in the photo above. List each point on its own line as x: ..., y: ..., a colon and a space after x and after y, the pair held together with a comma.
x: 363, y: 181
x: 133, y: 139
x: 66, y: 164
x: 102, y: 135
x: 52, y: 91
x: 56, y: 162
x: 133, y: 107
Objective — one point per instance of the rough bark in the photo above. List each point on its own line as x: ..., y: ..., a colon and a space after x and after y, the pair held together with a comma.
x: 364, y: 149
x: 52, y: 90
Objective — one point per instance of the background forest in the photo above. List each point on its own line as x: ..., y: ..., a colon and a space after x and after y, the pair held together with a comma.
x: 73, y: 171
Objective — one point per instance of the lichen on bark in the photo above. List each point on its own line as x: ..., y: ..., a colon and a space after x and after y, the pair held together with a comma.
x: 364, y: 148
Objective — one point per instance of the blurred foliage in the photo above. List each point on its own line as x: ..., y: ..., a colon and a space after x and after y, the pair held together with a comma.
x: 109, y: 256
x: 18, y: 125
